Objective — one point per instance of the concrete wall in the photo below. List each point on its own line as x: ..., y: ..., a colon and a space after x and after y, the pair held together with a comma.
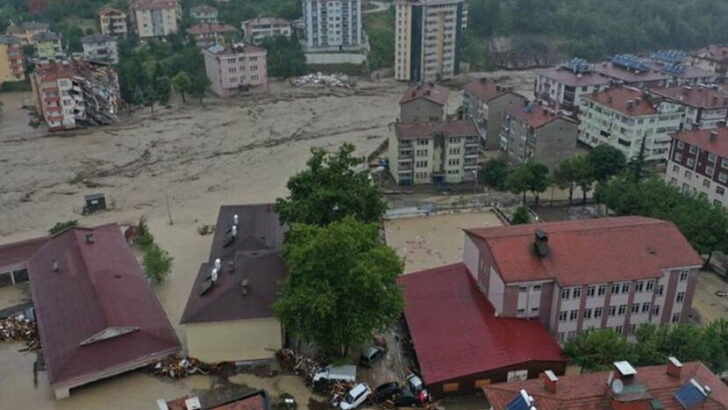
x: 495, y: 110
x: 236, y: 340
x: 421, y: 110
x: 471, y: 256
x: 335, y: 58
x: 555, y: 142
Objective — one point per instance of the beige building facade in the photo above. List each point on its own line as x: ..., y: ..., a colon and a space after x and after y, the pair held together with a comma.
x: 11, y: 59
x: 155, y: 18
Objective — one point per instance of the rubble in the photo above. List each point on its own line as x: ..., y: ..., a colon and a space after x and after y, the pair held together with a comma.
x: 18, y: 328
x: 300, y: 365
x: 177, y: 367
x: 328, y: 80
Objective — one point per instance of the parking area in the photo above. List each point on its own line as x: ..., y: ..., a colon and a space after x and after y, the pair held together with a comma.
x: 711, y: 297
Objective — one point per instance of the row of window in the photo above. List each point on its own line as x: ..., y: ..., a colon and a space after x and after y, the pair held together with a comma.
x: 617, y: 288
x: 615, y: 310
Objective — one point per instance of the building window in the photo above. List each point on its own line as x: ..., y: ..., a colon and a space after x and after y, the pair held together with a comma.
x: 684, y: 275
x: 709, y: 170
x: 562, y: 316
x: 724, y: 163
x: 691, y: 162
x: 638, y: 286
x: 612, y: 310
x: 615, y: 288
x: 625, y: 287
x: 619, y: 329
x: 706, y: 183
x: 635, y: 308
x: 573, y: 315
x: 675, y: 317
x: 602, y: 290
x: 680, y: 144
x: 622, y: 310
x: 688, y: 174
x: 693, y: 149
x: 632, y: 329
x: 565, y: 293
x: 523, y: 288
x: 587, y: 313
x: 678, y: 157
x: 711, y: 157
x: 645, y: 307
x: 576, y: 293
x: 723, y: 177
x: 675, y: 169
x: 597, y: 313
x: 659, y: 290
x: 719, y: 190
x: 590, y: 291
x: 680, y: 297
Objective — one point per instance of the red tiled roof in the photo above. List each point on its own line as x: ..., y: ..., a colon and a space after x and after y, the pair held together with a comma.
x: 589, y: 251
x: 418, y: 130
x: 209, y: 28
x: 565, y: 76
x: 589, y: 391
x: 699, y: 97
x: 612, y: 71
x: 15, y: 256
x: 98, y: 286
x: 538, y: 116
x: 455, y: 330
x: 255, y: 401
x: 617, y: 98
x: 714, y: 53
x: 154, y: 4
x: 486, y: 89
x: 255, y: 254
x: 428, y: 91
x: 701, y: 138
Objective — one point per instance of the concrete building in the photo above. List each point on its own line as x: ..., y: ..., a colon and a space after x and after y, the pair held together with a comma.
x: 204, y: 14
x: 622, y: 117
x: 538, y: 134
x: 434, y: 152
x: 155, y: 18
x: 332, y: 25
x: 563, y: 87
x: 75, y: 93
x: 27, y: 30
x: 572, y: 276
x: 209, y: 34
x: 702, y: 106
x: 626, y: 69
x: 235, y: 68
x: 424, y: 103
x: 255, y: 30
x: 484, y: 101
x: 48, y: 47
x: 429, y: 39
x: 461, y: 344
x: 112, y: 22
x: 713, y: 58
x: 11, y: 60
x: 674, y: 386
x: 229, y: 314
x: 101, y: 48
x: 698, y: 163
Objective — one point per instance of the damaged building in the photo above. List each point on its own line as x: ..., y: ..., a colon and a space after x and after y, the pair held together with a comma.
x: 76, y: 93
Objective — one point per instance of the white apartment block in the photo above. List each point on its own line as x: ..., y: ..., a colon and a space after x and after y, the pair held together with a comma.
x: 429, y: 39
x: 255, y: 30
x: 702, y: 106
x: 621, y: 117
x: 101, y: 48
x: 155, y: 18
x: 332, y: 24
x: 698, y: 163
x: 112, y: 21
x: 564, y: 87
x: 574, y: 276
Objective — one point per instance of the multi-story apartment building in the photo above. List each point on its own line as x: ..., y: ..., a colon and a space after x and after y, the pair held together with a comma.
x: 155, y: 18
x: 204, y: 14
x: 75, y: 93
x: 702, y: 106
x: 208, y: 34
x: 698, y: 163
x: 48, y: 47
x: 235, y: 68
x: 429, y: 39
x: 27, y: 30
x: 111, y: 21
x: 539, y: 134
x: 101, y: 48
x: 255, y: 30
x: 332, y: 24
x: 424, y: 103
x: 11, y: 59
x: 573, y: 276
x: 622, y: 117
x: 563, y: 87
x: 434, y: 152
x: 484, y: 101
x: 713, y: 58
x: 639, y: 72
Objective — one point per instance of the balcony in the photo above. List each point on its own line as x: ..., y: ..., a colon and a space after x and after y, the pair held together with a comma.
x: 470, y: 152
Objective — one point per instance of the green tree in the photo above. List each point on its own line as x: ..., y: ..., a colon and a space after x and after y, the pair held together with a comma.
x: 329, y: 189
x: 380, y: 29
x: 199, y: 86
x: 521, y: 216
x: 63, y: 226
x: 572, y: 172
x: 144, y: 238
x: 494, y: 173
x: 606, y: 161
x: 596, y: 350
x: 285, y: 56
x: 163, y: 89
x: 531, y: 176
x: 636, y: 165
x: 342, y: 286
x: 182, y: 83
x: 157, y: 264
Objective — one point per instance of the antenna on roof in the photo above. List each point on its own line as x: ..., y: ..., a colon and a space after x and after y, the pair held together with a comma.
x: 213, y: 275
x: 235, y: 219
x: 217, y: 264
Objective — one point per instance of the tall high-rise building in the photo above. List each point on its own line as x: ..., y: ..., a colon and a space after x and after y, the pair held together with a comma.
x: 429, y: 39
x: 332, y: 24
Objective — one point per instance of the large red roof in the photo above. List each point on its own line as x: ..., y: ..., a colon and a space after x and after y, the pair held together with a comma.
x: 486, y: 89
x: 618, y: 98
x: 701, y: 139
x: 718, y: 53
x: 589, y: 251
x: 98, y: 286
x: 15, y: 256
x: 588, y: 391
x: 455, y: 330
x: 428, y: 91
x: 537, y: 116
x: 565, y: 76
x: 699, y: 97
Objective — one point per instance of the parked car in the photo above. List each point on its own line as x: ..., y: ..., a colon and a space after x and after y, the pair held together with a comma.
x: 406, y: 398
x: 418, y: 388
x: 371, y: 354
x: 332, y: 374
x: 355, y: 397
x: 385, y: 392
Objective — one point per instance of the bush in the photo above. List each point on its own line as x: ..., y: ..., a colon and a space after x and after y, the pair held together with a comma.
x: 157, y: 264
x: 144, y: 238
x: 521, y: 216
x: 62, y: 226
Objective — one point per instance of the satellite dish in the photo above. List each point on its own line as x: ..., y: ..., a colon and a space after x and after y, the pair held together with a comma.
x: 617, y: 386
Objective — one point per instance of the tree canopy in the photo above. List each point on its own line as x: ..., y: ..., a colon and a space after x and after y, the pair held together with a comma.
x: 342, y: 284
x: 606, y: 161
x: 494, y: 173
x: 285, y: 56
x: 329, y: 189
x: 521, y: 216
x: 575, y: 171
x: 531, y: 176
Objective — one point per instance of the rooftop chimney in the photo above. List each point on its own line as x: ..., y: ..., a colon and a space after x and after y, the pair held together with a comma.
x: 244, y: 286
x: 55, y: 265
x: 541, y: 243
x: 674, y: 367
x: 721, y: 124
x: 630, y: 104
x: 550, y: 380
x: 483, y: 80
x: 713, y: 135
x: 90, y: 238
x: 427, y: 92
x: 624, y: 371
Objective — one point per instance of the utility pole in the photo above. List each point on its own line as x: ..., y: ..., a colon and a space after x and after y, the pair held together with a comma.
x: 169, y: 210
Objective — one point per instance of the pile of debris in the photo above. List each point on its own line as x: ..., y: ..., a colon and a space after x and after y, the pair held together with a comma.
x: 177, y: 367
x: 19, y: 328
x: 328, y: 80
x: 300, y: 365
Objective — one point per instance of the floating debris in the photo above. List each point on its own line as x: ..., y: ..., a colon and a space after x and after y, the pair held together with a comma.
x: 20, y: 328
x: 328, y: 80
